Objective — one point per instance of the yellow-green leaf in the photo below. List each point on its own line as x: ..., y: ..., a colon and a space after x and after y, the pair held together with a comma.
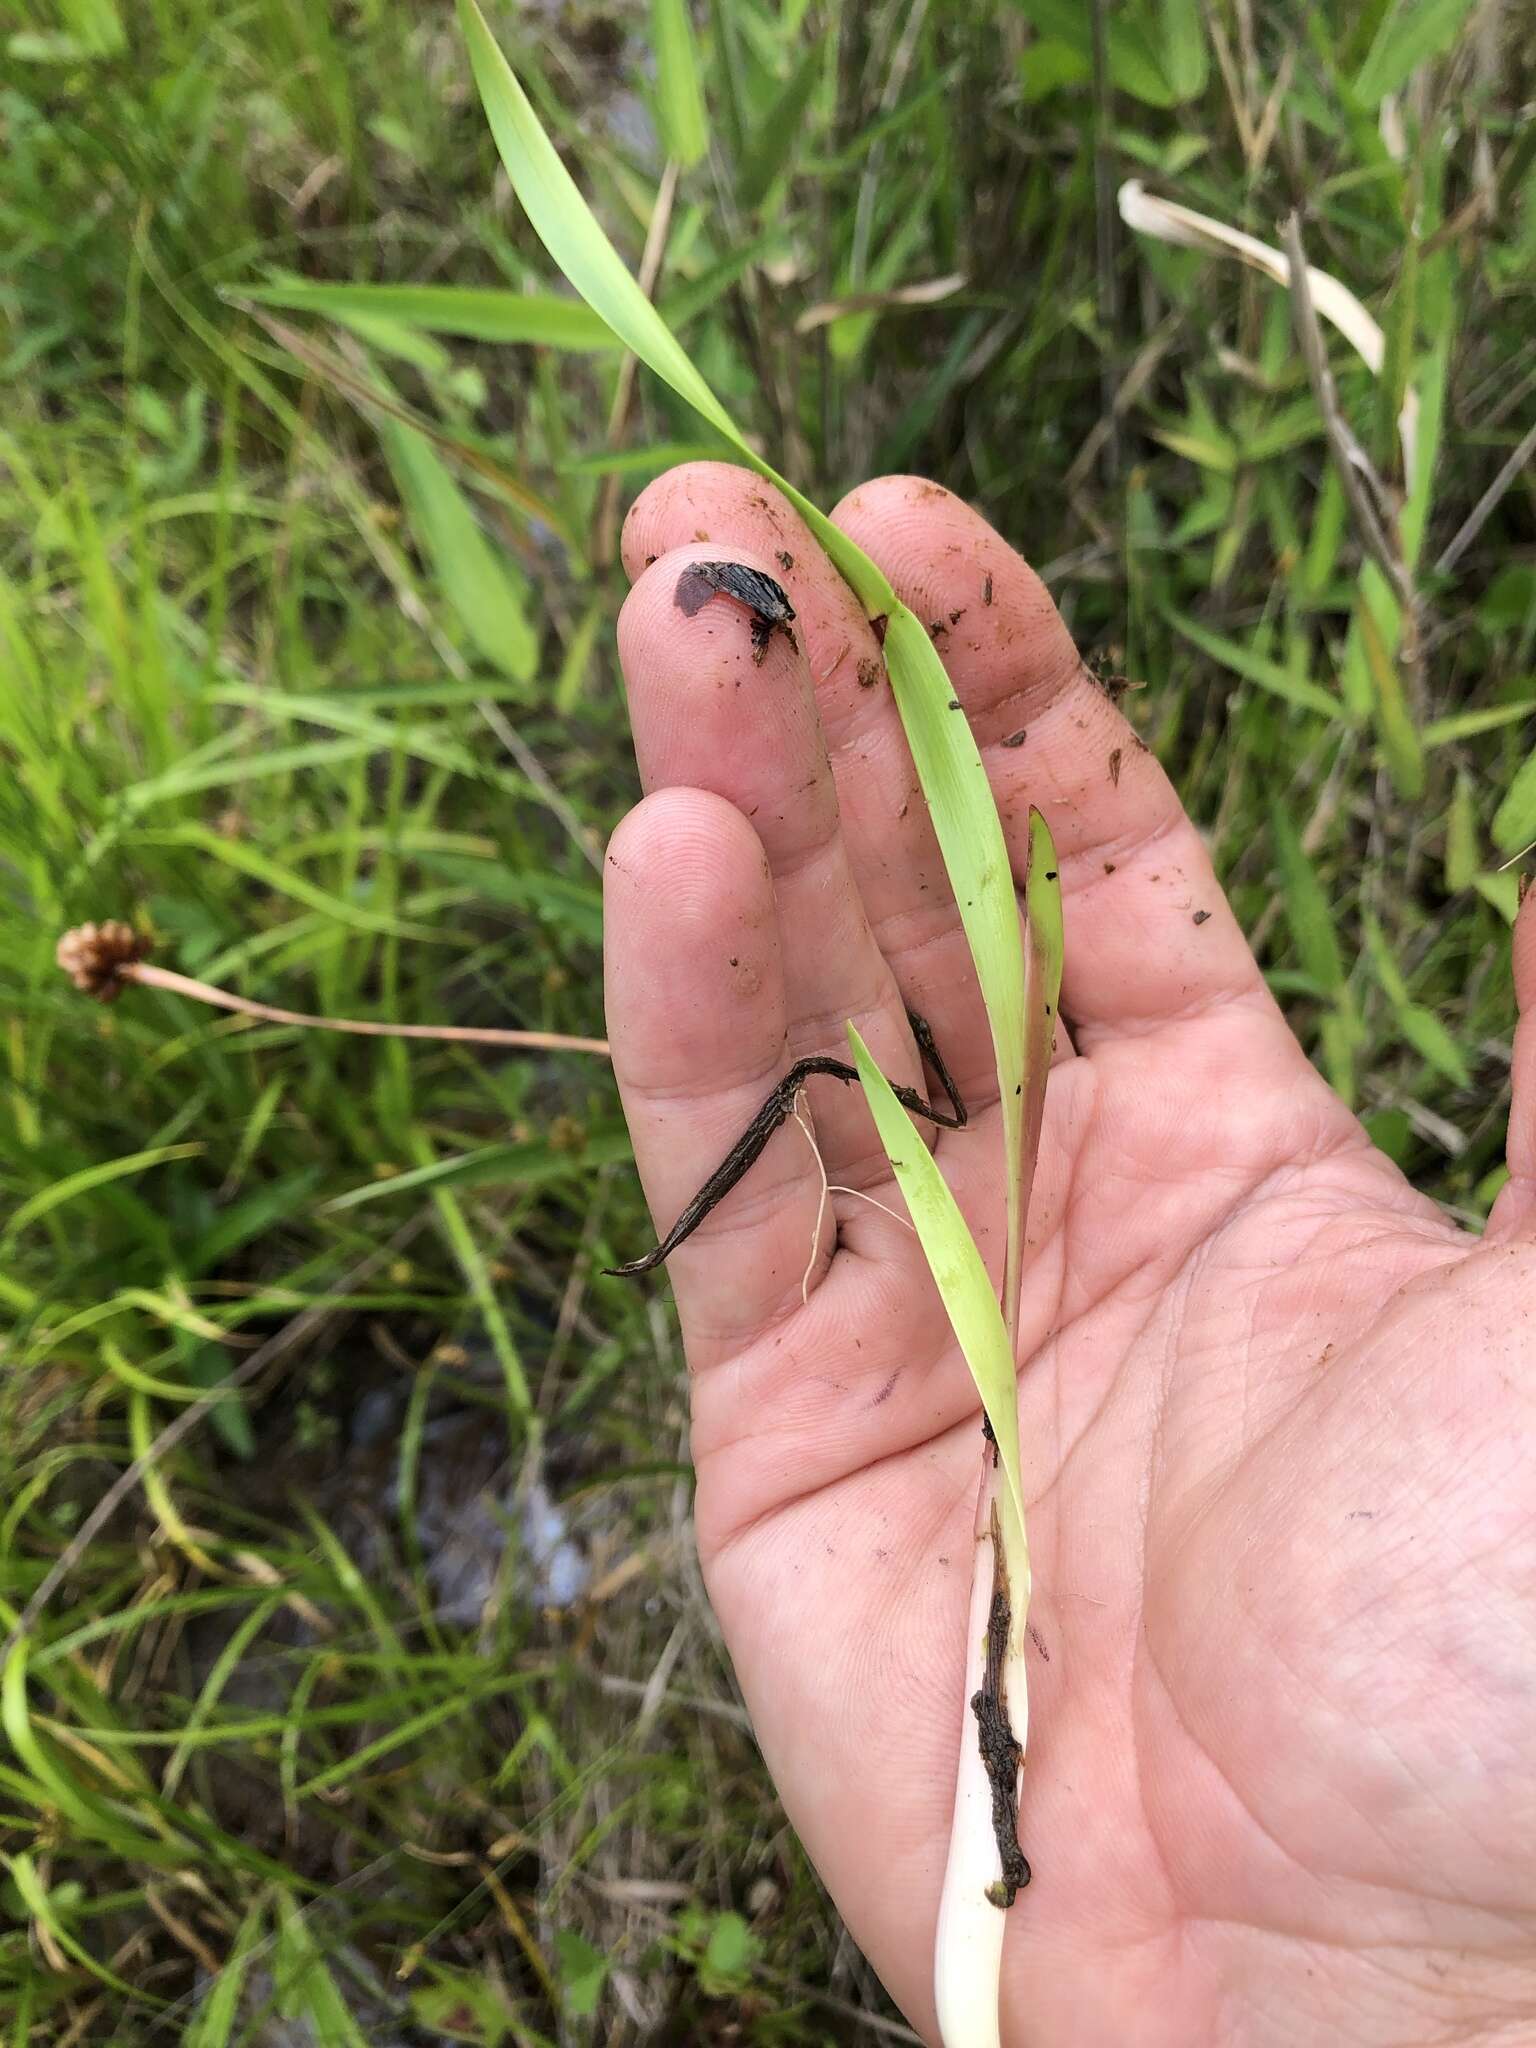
x: 679, y: 88
x: 477, y: 582
x: 470, y: 312
x: 959, y: 1272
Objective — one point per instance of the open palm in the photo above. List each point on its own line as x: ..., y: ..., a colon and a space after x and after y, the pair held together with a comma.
x: 1275, y: 1409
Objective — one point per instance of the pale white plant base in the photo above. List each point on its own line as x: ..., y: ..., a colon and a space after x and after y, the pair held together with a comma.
x: 968, y: 1953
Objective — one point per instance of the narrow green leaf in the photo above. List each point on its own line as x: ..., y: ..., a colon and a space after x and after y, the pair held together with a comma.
x: 780, y: 131
x: 1401, y: 747
x: 1307, y: 908
x: 564, y: 223
x: 461, y: 1241
x: 529, y: 1164
x: 1430, y: 1038
x: 35, y: 1897
x: 1254, y: 668
x: 213, y: 2024
x: 1466, y: 725
x: 477, y: 582
x: 91, y: 1177
x: 1462, y: 854
x: 959, y: 1272
x: 679, y: 88
x: 468, y: 312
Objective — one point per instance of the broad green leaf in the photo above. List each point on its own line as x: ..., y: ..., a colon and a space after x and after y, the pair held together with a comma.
x: 1185, y: 48
x: 1420, y: 1027
x: 728, y: 1954
x: 477, y: 582
x: 679, y: 88
x: 1514, y: 822
x: 1412, y: 33
x: 583, y: 1971
x: 959, y: 1273
x: 1502, y: 890
x: 469, y: 312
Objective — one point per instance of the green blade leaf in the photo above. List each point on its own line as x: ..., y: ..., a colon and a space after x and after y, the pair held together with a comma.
x: 1514, y: 822
x: 465, y: 311
x: 679, y: 90
x: 958, y: 1269
x: 565, y: 224
x: 1411, y: 33
x: 1044, y: 952
x: 476, y: 581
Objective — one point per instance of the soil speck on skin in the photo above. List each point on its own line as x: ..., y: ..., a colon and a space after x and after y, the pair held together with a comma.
x: 936, y: 627
x: 1109, y: 867
x: 986, y: 591
x: 1017, y: 739
x: 1039, y: 1641
x: 954, y: 703
x: 869, y: 673
x: 785, y: 559
x: 699, y: 533
x: 877, y: 626
x: 956, y: 617
x: 1201, y: 916
x: 1114, y: 767
x: 650, y: 559
x: 888, y: 1389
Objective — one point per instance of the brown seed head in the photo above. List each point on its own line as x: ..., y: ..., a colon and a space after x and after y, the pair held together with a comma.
x: 94, y: 956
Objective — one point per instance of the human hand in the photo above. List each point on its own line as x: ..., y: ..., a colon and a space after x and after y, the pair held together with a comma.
x: 1275, y: 1409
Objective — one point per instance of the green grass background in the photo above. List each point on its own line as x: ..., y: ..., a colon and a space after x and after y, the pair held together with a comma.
x: 306, y: 663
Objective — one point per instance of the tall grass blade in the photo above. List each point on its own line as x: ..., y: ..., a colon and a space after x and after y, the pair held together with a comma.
x: 679, y: 87
x: 949, y: 766
x: 467, y: 312
x: 475, y: 579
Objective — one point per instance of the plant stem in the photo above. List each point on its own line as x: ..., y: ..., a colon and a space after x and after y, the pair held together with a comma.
x: 455, y: 1034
